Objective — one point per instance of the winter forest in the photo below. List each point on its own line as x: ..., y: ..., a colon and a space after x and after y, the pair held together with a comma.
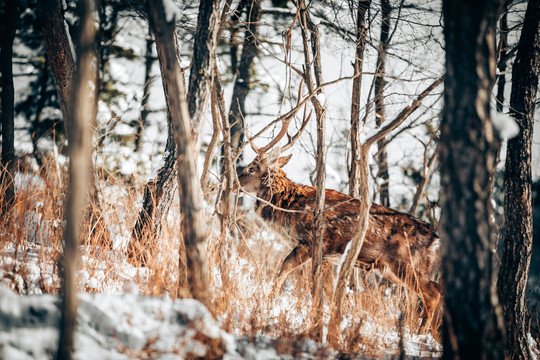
x: 269, y: 179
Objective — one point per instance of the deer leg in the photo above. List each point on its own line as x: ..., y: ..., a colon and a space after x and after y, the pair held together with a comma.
x: 296, y: 258
x: 431, y: 294
x: 328, y: 281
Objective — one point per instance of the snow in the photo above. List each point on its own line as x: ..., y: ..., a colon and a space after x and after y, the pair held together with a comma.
x: 505, y: 125
x: 321, y: 98
x: 184, y: 63
x: 533, y: 347
x: 172, y: 10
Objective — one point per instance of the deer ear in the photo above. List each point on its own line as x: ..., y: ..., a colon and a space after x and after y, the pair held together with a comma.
x: 273, y: 156
x: 282, y: 161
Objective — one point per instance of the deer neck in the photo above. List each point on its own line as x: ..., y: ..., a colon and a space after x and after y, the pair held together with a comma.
x: 274, y: 186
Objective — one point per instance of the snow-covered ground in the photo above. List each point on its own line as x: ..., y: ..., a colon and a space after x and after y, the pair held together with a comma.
x: 130, y: 326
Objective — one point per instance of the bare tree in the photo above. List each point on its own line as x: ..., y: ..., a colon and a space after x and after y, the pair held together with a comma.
x: 34, y: 130
x: 60, y: 55
x: 9, y: 15
x: 61, y: 59
x: 361, y: 32
x: 193, y: 228
x: 313, y: 71
x: 159, y: 192
x: 355, y: 244
x: 80, y: 153
x: 518, y: 229
x: 380, y: 83
x: 204, y: 57
x: 148, y: 62
x: 472, y: 326
x: 243, y: 75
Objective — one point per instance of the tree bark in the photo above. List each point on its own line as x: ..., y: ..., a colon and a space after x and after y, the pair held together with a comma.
x: 243, y: 78
x: 158, y: 192
x: 80, y: 154
x: 148, y: 62
x: 7, y: 161
x: 60, y: 55
x: 472, y: 326
x: 35, y: 132
x: 426, y: 174
x: 314, y: 72
x: 202, y: 64
x: 193, y: 228
x: 361, y: 32
x: 380, y: 117
x: 518, y: 230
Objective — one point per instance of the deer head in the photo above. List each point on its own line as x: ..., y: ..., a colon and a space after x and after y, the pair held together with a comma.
x: 268, y: 158
x: 260, y: 168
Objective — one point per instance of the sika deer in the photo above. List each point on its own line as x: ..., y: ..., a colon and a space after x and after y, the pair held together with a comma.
x: 400, y: 246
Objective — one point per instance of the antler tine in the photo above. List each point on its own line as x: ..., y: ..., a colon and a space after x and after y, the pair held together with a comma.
x: 282, y: 132
x: 255, y: 148
x: 292, y: 139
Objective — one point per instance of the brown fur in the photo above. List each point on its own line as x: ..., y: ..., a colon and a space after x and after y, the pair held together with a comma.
x: 400, y: 246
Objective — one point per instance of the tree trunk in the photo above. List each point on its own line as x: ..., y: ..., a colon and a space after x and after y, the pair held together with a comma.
x: 518, y: 230
x: 148, y: 62
x: 380, y: 117
x: 501, y: 83
x: 7, y: 163
x: 60, y: 55
x: 361, y: 31
x: 353, y: 248
x: 202, y: 64
x: 472, y: 326
x: 193, y: 228
x: 158, y: 192
x: 80, y: 154
x: 420, y: 188
x: 319, y: 104
x: 234, y: 30
x: 224, y: 204
x: 243, y: 78
x: 35, y: 132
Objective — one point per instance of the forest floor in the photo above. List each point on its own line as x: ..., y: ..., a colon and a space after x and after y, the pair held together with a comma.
x: 129, y: 311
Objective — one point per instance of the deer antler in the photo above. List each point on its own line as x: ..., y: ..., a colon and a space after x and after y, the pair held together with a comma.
x: 286, y: 121
x: 292, y: 139
x: 256, y: 149
x: 284, y: 130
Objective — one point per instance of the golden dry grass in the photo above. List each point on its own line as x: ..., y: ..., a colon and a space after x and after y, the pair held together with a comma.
x: 242, y: 263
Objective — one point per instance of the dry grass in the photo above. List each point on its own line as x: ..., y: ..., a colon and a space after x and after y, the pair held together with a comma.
x: 243, y: 265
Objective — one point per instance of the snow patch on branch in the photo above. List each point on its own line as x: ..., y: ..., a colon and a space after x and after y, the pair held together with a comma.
x: 172, y: 10
x: 506, y: 126
x: 321, y: 98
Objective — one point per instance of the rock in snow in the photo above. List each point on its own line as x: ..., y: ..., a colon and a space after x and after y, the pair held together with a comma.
x: 112, y: 327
